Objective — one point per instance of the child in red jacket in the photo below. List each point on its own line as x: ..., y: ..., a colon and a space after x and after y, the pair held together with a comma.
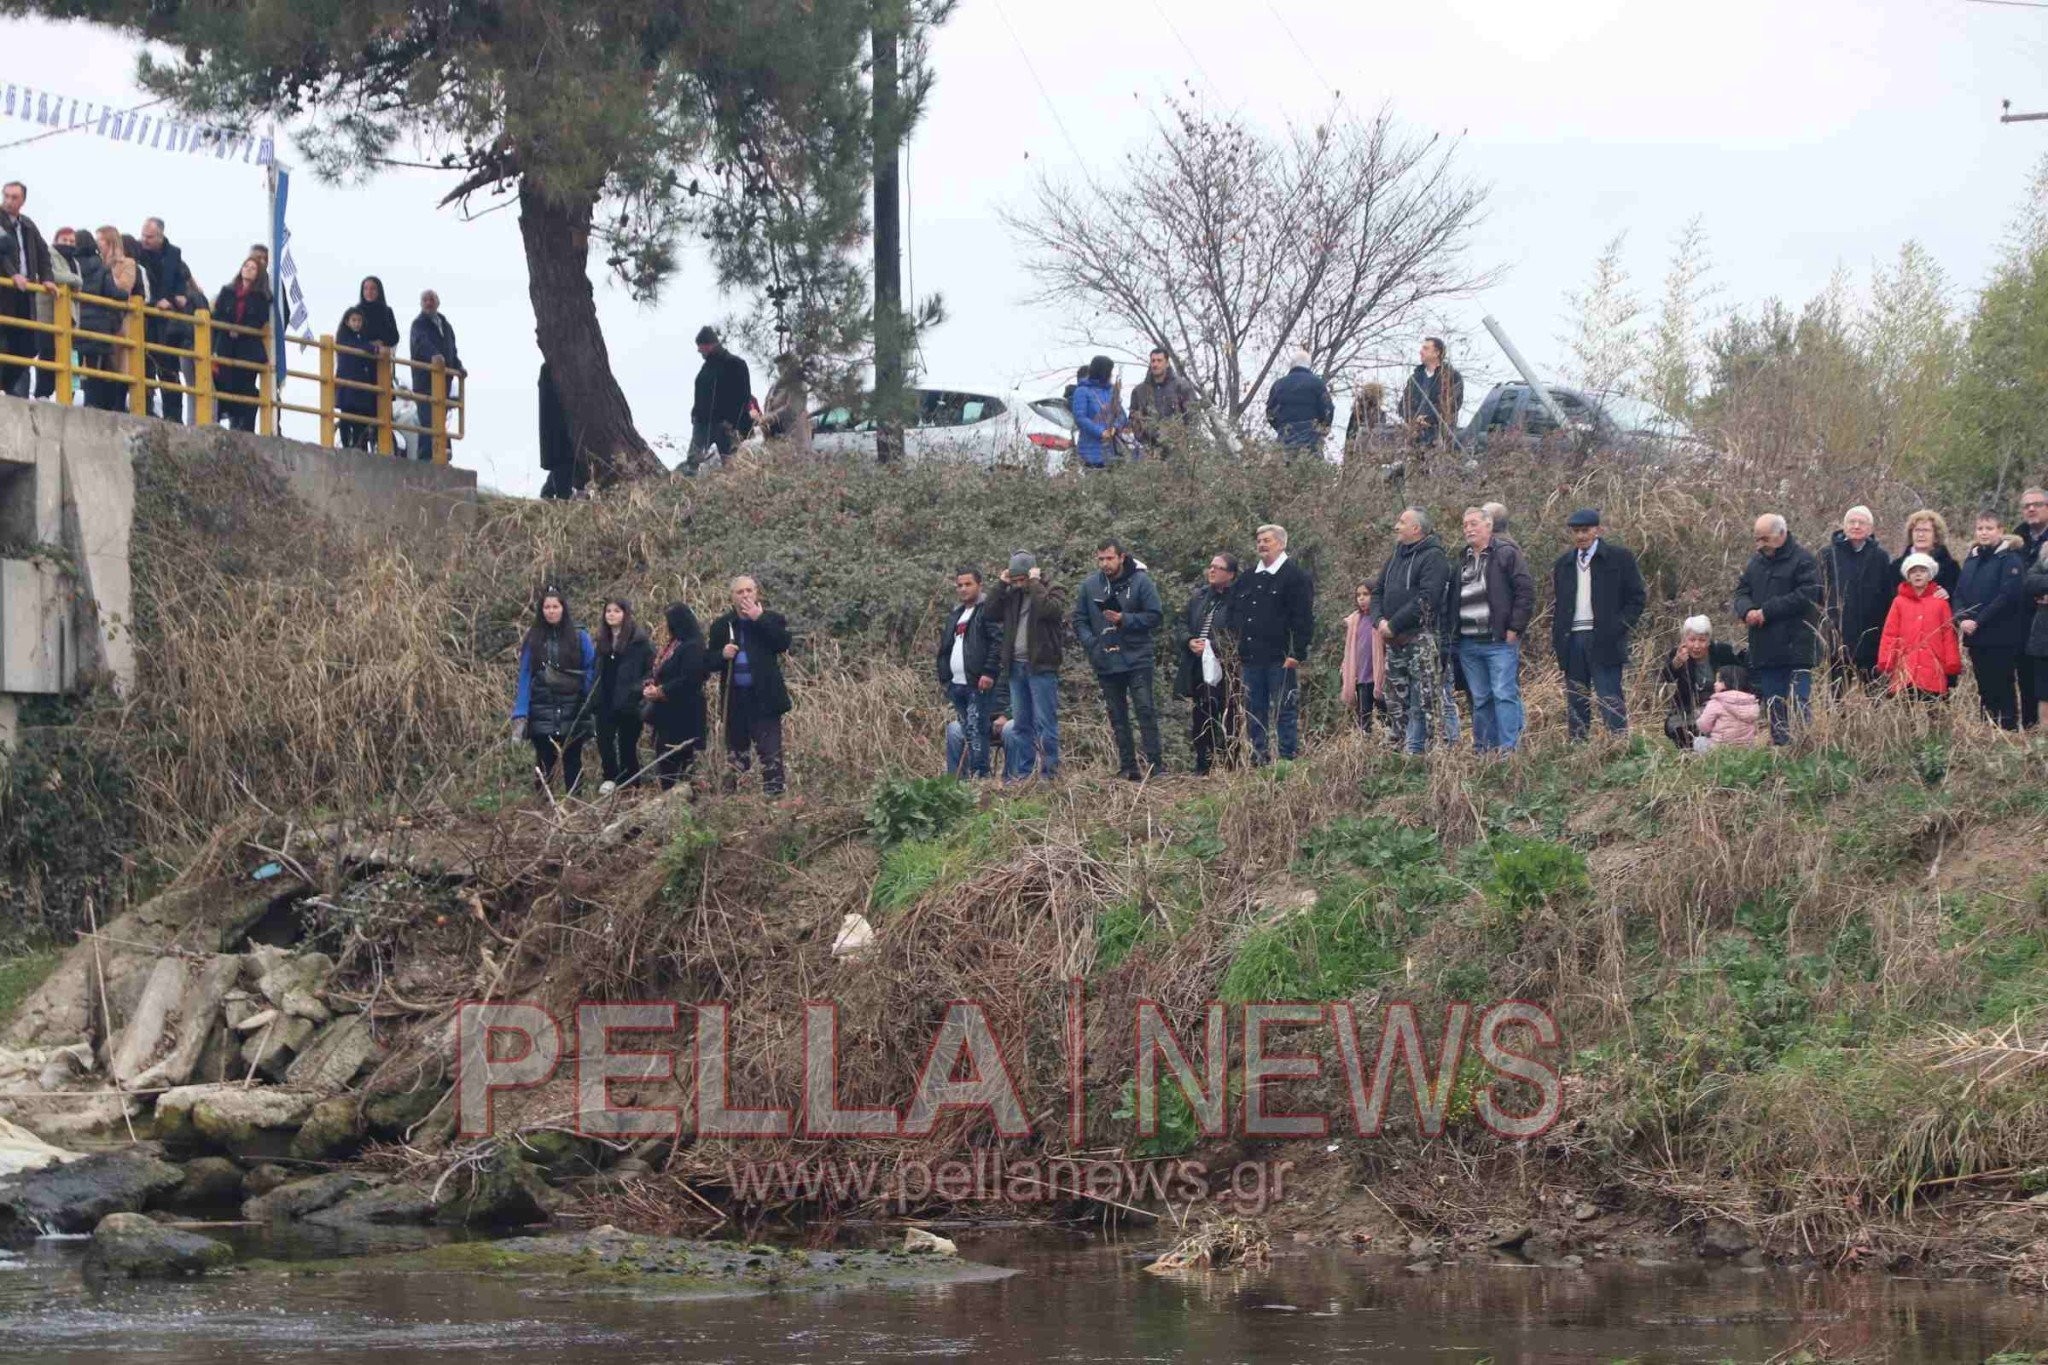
x: 1918, y: 649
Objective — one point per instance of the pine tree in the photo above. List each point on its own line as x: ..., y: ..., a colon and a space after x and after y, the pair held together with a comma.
x: 630, y: 126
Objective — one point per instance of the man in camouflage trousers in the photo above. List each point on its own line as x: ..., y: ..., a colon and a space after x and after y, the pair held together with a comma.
x: 1411, y: 591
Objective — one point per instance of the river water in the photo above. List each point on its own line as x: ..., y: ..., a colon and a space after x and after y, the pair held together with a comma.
x: 1076, y: 1299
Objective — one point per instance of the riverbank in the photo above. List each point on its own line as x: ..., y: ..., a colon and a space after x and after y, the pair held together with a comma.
x: 1797, y: 993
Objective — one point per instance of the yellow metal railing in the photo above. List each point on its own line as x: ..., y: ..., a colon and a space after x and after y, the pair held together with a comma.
x: 131, y: 347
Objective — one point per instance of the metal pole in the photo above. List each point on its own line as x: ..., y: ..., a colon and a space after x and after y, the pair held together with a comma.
x: 1528, y: 375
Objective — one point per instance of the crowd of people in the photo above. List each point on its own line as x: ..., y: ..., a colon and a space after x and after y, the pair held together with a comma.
x: 105, y: 268
x: 1431, y: 625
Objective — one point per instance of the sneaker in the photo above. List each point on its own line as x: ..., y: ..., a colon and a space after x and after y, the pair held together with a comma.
x: 607, y: 788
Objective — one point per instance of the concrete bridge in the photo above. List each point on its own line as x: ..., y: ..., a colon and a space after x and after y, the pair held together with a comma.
x: 67, y: 508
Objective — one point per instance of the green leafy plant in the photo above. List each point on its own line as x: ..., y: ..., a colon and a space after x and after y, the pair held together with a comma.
x: 1118, y: 930
x: 1519, y: 875
x: 916, y: 808
x: 1177, y: 1129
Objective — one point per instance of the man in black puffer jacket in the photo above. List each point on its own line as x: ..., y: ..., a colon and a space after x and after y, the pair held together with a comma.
x: 1778, y: 598
x: 1413, y: 591
x: 2036, y: 588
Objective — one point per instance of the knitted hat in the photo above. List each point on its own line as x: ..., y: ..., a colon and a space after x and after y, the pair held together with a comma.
x: 1916, y: 560
x: 1023, y: 562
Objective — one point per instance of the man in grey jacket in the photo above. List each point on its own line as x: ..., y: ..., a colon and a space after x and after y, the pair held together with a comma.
x: 1495, y: 595
x: 1161, y: 406
x: 1115, y: 616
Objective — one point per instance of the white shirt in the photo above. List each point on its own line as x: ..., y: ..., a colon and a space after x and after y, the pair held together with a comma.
x: 960, y: 628
x: 1582, y: 610
x: 1274, y: 567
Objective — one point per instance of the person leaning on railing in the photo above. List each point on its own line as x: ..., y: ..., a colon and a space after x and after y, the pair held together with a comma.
x: 244, y: 303
x: 24, y: 261
x: 103, y: 319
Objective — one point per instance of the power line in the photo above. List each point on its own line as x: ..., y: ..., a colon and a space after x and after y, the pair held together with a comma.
x: 2011, y: 4
x: 72, y: 128
x: 1043, y: 93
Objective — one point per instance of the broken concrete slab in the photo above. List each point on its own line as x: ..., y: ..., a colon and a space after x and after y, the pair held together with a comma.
x: 149, y: 1031
x: 295, y: 984
x: 197, y: 1020
x: 334, y: 1056
x: 270, y: 1049
x: 251, y: 1123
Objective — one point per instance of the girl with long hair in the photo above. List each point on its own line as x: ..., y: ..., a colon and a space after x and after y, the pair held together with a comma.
x: 557, y: 676
x: 625, y: 657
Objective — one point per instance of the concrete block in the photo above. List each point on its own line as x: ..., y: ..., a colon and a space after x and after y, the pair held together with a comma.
x: 38, y: 638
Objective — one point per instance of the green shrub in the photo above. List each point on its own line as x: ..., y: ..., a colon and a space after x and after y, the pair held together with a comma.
x: 1330, y: 952
x: 916, y: 808
x: 1519, y: 875
x: 1372, y: 842
x: 912, y: 868
x: 1118, y: 930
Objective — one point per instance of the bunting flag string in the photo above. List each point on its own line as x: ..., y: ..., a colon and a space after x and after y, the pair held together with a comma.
x: 57, y: 112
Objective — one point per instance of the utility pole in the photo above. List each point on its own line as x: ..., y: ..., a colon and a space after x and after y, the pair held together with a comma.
x: 888, y: 323
x: 2010, y: 117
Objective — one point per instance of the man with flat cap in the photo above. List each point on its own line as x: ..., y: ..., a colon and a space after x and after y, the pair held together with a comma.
x: 1597, y: 597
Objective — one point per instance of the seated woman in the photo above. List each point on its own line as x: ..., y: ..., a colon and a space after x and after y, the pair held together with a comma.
x: 1689, y: 674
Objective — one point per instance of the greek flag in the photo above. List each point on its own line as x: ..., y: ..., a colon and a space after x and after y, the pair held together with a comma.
x: 155, y: 132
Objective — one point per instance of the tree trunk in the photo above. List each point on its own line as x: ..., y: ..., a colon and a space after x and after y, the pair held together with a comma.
x: 890, y: 401
x: 557, y: 239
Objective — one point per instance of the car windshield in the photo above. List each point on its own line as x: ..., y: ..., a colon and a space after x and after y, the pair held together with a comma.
x: 1633, y: 414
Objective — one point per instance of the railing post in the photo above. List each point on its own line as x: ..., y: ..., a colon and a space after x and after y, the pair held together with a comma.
x: 439, y: 388
x: 202, y: 368
x: 383, y: 401
x: 266, y: 397
x: 135, y: 329
x: 62, y: 344
x: 326, y: 390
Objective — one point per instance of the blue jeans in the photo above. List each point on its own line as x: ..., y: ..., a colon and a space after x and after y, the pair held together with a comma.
x: 1266, y: 685
x: 1582, y: 680
x: 1493, y: 671
x: 1035, y: 719
x: 1773, y: 687
x: 1016, y: 757
x: 971, y: 709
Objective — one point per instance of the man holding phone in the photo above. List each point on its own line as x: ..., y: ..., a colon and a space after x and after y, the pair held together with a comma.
x: 1115, y: 618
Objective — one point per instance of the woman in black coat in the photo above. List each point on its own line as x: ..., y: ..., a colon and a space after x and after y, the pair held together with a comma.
x: 244, y: 303
x: 675, y: 696
x: 1927, y: 534
x: 625, y: 658
x: 380, y: 324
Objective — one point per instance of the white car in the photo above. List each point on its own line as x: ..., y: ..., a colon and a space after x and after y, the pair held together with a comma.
x: 986, y: 424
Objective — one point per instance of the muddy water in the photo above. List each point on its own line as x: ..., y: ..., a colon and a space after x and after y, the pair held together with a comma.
x: 1072, y: 1301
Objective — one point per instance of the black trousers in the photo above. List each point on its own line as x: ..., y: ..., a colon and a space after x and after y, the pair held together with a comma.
x: 1998, y: 683
x: 1124, y: 692
x: 1367, y: 703
x: 1218, y: 721
x: 18, y: 342
x: 2033, y: 685
x: 618, y: 745
x: 673, y: 760
x: 549, y: 748
x: 164, y: 369
x: 745, y: 737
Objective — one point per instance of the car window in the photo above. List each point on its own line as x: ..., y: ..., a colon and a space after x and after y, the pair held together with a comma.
x: 832, y: 419
x: 1633, y: 414
x: 1538, y: 421
x: 980, y: 407
x: 1056, y: 411
x: 1502, y: 415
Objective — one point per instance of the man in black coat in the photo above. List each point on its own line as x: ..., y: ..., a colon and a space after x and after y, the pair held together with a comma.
x: 1299, y: 408
x: 2033, y: 534
x: 1276, y: 622
x: 969, y: 660
x: 746, y: 645
x: 1857, y: 585
x: 432, y: 338
x: 1988, y: 600
x: 1597, y: 596
x: 720, y: 418
x: 1413, y: 591
x: 171, y: 288
x: 1778, y: 597
x: 1208, y: 672
x: 24, y: 260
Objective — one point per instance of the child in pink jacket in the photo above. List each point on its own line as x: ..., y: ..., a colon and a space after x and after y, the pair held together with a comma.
x: 1731, y: 716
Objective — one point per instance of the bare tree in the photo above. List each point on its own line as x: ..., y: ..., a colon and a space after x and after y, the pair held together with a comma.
x: 1227, y: 247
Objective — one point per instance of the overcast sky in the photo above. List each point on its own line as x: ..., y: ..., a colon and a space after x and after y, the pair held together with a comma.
x: 1809, y: 136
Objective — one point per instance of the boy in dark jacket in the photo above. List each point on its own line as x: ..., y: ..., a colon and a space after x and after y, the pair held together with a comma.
x: 747, y: 644
x: 969, y: 658
x: 1276, y: 623
x: 1989, y: 597
x: 1031, y: 612
x: 1115, y: 617
x: 354, y: 364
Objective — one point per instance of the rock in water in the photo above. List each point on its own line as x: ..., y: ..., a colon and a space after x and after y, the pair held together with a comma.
x: 131, y: 1244
x: 928, y: 1243
x: 74, y: 1197
x: 213, y: 1184
x: 302, y: 1197
x: 392, y: 1205
x: 335, y: 1128
x: 252, y: 1124
x: 504, y: 1192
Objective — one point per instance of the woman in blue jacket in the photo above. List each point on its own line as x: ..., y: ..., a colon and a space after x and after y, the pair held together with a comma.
x: 1096, y: 418
x: 557, y: 674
